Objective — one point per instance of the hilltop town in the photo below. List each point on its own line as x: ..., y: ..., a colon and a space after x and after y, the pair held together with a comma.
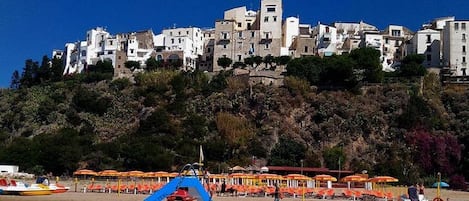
x: 245, y: 34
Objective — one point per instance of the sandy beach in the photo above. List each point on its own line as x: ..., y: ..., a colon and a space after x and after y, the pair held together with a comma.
x: 78, y: 196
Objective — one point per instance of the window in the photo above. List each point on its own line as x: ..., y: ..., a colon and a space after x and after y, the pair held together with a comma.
x: 463, y: 37
x: 119, y: 57
x: 275, y: 18
x: 118, y: 66
x: 429, y: 38
x: 225, y: 35
x: 327, y: 29
x: 187, y: 32
x: 172, y: 40
x: 83, y: 53
x: 306, y: 49
x: 110, y: 52
x: 240, y: 34
x: 240, y: 24
x: 224, y: 46
x: 251, y: 49
x: 253, y: 34
x: 239, y: 57
x: 267, y: 35
x: 464, y: 49
x: 267, y: 45
x: 456, y: 26
x: 179, y: 33
x: 271, y: 9
x: 429, y: 57
x: 179, y: 40
x: 386, y: 40
x: 266, y: 19
x: 249, y: 26
x: 110, y: 42
x: 208, y: 50
x: 171, y: 33
x: 240, y: 45
x: 395, y: 32
x: 463, y: 60
x: 131, y: 51
x: 463, y: 26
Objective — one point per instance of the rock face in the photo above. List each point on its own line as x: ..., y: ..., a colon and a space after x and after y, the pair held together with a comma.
x: 366, y: 131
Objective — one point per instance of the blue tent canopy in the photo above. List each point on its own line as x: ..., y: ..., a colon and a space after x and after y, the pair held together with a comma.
x: 442, y: 184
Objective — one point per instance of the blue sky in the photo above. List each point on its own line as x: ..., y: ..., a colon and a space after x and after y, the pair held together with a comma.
x: 33, y: 28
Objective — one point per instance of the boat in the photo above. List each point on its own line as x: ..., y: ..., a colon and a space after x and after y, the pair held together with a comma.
x: 58, y: 188
x: 20, y: 188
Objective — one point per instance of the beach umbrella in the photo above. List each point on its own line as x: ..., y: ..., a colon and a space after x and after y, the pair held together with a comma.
x: 135, y: 173
x: 297, y: 177
x: 324, y: 177
x: 85, y: 172
x: 383, y: 179
x: 353, y: 178
x: 109, y: 173
x: 442, y: 184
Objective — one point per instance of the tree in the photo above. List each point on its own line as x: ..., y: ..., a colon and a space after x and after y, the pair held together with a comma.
x: 15, y: 80
x: 268, y: 60
x: 249, y: 61
x: 153, y: 64
x: 412, y: 66
x: 224, y: 62
x: 257, y: 60
x: 239, y: 64
x: 309, y: 68
x: 132, y: 65
x: 102, y: 66
x: 29, y: 73
x: 367, y: 59
x: 56, y: 69
x: 338, y: 71
x: 44, y: 72
x: 287, y: 153
x: 282, y: 60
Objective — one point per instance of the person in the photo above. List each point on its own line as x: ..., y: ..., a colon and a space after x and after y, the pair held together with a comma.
x: 46, y: 181
x: 223, y: 188
x: 276, y: 192
x: 412, y: 192
x: 421, y: 189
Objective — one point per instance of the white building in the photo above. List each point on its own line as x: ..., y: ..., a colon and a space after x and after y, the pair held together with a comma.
x: 394, y: 36
x: 428, y: 43
x: 291, y: 30
x: 326, y: 39
x: 455, y: 44
x: 186, y: 44
x: 9, y: 168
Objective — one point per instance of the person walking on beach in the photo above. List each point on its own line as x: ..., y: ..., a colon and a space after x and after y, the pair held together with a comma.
x: 421, y: 190
x: 412, y: 192
x: 276, y: 193
x: 223, y: 188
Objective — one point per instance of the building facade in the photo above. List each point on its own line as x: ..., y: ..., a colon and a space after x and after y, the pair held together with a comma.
x: 455, y: 44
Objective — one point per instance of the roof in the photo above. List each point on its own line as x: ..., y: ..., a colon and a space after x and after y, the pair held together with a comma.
x: 298, y: 169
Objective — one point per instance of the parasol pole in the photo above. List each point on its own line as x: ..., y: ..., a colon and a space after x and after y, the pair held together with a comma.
x: 438, y: 192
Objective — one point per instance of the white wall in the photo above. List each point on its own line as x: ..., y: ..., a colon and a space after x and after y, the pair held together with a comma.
x: 9, y: 168
x: 453, y: 54
x: 291, y: 30
x: 421, y: 45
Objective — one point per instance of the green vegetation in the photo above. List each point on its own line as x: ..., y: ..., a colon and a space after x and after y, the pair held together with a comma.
x: 410, y: 130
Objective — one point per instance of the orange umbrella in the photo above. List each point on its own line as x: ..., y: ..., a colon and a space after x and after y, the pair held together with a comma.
x: 297, y: 177
x: 135, y: 174
x: 324, y: 177
x: 109, y: 173
x: 353, y: 178
x: 85, y: 172
x: 382, y: 179
x: 270, y: 176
